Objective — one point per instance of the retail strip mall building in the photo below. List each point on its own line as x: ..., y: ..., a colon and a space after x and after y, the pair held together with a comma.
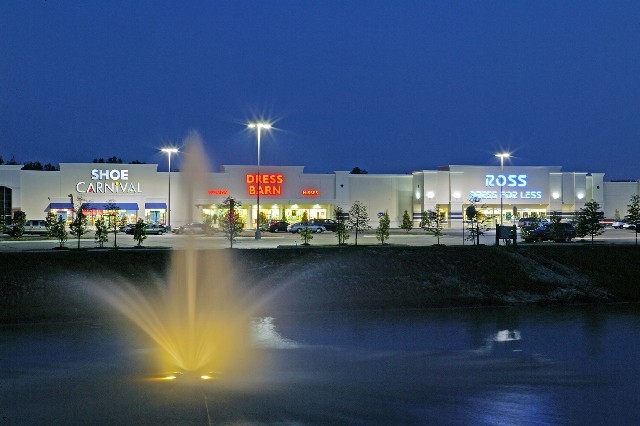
x: 141, y: 191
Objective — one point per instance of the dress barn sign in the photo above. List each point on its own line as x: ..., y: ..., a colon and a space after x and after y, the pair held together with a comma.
x: 109, y: 181
x: 264, y: 183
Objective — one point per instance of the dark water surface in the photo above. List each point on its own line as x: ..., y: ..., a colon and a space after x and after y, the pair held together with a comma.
x: 572, y: 365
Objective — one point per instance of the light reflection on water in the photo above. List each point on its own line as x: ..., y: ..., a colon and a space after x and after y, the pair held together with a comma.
x: 515, y: 405
x: 481, y: 366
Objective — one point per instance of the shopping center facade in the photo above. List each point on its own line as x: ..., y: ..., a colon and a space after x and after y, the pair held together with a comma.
x: 141, y: 191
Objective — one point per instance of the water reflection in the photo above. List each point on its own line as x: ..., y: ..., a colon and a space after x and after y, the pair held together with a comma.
x: 516, y: 405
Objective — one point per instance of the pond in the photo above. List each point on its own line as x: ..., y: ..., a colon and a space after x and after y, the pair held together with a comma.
x: 493, y: 366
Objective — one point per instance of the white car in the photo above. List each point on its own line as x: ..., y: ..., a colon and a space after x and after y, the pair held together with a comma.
x: 34, y: 227
x: 298, y: 227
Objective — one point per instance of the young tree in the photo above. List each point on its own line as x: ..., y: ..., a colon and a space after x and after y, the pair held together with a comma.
x: 557, y: 229
x: 102, y: 233
x: 616, y: 215
x: 59, y: 231
x: 208, y: 223
x: 580, y: 225
x: 382, y: 231
x: 50, y: 222
x: 113, y: 220
x: 305, y: 232
x: 78, y: 225
x: 476, y: 223
x: 589, y: 219
x: 358, y: 218
x: 341, y: 229
x: 18, y: 223
x: 139, y: 232
x: 407, y: 223
x: 230, y: 222
x: 263, y: 221
x: 633, y: 213
x: 433, y: 223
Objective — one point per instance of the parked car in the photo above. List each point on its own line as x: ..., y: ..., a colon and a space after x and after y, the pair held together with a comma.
x: 127, y: 229
x: 154, y: 228
x: 544, y: 232
x: 298, y: 227
x: 527, y: 222
x: 34, y: 227
x: 191, y: 228
x: 617, y: 225
x: 279, y: 226
x: 329, y: 224
x: 630, y: 225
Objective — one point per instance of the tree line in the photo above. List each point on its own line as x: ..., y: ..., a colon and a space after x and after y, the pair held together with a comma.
x: 48, y: 167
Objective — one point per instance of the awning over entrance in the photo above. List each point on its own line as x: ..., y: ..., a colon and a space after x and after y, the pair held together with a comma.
x: 155, y: 206
x: 106, y: 206
x: 62, y: 206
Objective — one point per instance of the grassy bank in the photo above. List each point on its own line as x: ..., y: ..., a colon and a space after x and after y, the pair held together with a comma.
x: 48, y: 285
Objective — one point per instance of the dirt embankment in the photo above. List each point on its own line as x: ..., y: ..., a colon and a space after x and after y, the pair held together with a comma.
x: 52, y: 285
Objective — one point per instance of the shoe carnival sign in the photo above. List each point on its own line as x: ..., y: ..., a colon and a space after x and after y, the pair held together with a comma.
x: 109, y: 181
x: 264, y: 184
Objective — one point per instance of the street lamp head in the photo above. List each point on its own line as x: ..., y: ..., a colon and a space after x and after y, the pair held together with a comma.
x: 503, y: 155
x: 169, y: 150
x: 259, y: 125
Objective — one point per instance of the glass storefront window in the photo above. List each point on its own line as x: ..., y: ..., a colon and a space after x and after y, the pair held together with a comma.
x: 155, y: 216
x: 128, y: 216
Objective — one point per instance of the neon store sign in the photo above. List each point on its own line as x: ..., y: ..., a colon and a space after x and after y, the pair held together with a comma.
x: 310, y: 192
x: 264, y: 184
x: 109, y: 181
x: 515, y: 188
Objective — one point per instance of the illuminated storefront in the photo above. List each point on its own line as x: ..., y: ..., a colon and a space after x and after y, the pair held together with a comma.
x: 140, y: 191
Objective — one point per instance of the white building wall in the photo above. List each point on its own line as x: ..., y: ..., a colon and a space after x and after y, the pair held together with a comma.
x: 380, y: 193
x: 617, y: 196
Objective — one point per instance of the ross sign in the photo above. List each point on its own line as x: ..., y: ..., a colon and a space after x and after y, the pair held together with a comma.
x: 310, y: 192
x: 104, y: 181
x: 516, y: 182
x: 264, y: 184
x: 218, y: 192
x: 505, y: 180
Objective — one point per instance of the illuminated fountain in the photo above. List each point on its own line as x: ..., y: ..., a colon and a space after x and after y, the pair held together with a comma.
x: 196, y: 320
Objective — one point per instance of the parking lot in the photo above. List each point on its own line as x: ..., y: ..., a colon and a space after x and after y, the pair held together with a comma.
x: 247, y: 240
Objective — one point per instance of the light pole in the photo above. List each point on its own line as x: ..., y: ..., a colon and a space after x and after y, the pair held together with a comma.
x: 259, y: 127
x: 502, y: 156
x: 169, y: 151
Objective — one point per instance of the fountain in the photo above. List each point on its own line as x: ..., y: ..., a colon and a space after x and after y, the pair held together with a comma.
x: 196, y: 320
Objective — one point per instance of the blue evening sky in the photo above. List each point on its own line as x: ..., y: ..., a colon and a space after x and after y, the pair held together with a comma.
x: 389, y: 86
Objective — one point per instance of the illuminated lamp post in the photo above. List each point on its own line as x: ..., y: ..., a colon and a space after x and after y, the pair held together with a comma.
x: 259, y: 127
x: 502, y: 156
x: 169, y: 151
